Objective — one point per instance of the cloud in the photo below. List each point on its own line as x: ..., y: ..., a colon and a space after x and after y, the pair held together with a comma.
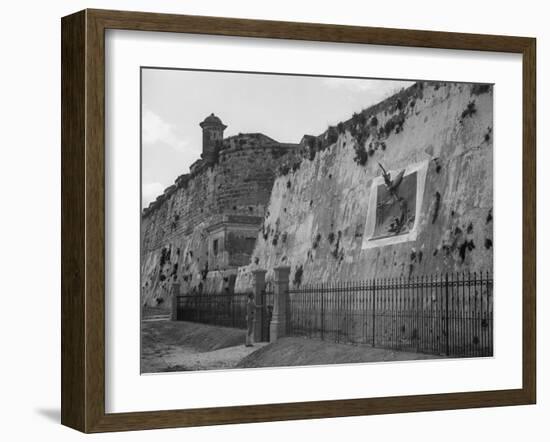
x: 156, y: 130
x: 377, y: 87
x: 149, y: 192
x: 350, y: 84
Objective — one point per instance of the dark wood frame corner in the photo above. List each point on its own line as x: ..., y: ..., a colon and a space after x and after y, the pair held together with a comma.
x: 83, y: 218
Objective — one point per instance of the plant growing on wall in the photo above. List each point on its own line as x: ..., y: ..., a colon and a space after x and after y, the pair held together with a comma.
x: 335, y: 252
x: 275, y: 239
x: 332, y: 135
x: 204, y: 272
x: 469, y: 111
x: 478, y: 89
x: 164, y: 256
x: 394, y: 123
x: 361, y: 155
x: 316, y: 241
x: 284, y: 169
x: 298, y: 273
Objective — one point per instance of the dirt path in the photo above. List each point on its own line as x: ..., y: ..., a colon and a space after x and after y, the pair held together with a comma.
x: 165, y: 358
x: 189, y: 359
x: 183, y: 346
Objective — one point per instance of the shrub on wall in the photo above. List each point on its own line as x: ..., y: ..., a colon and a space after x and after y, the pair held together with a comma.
x: 469, y: 111
x: 332, y: 135
x: 298, y: 274
x: 478, y: 89
x: 361, y: 155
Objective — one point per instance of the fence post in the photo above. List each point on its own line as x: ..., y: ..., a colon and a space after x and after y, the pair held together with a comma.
x: 374, y: 312
x: 322, y: 288
x: 175, y: 291
x: 259, y: 300
x: 447, y: 314
x: 277, y: 328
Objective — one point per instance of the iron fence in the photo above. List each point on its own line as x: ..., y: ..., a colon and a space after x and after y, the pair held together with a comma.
x: 227, y: 310
x: 450, y: 314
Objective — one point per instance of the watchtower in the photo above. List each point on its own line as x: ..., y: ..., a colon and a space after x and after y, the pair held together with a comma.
x: 212, y: 136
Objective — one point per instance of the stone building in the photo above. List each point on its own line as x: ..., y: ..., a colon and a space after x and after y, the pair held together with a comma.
x: 204, y: 226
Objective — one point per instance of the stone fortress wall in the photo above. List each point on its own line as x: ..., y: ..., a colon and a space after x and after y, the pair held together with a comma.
x: 252, y: 202
x: 317, y: 218
x: 229, y: 187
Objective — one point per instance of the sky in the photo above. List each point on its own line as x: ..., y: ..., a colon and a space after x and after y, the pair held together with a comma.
x: 283, y: 107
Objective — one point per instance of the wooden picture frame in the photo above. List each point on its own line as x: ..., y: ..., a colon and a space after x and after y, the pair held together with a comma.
x: 83, y: 220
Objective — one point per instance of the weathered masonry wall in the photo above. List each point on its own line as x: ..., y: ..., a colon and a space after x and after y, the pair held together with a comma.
x: 316, y: 219
x: 174, y: 227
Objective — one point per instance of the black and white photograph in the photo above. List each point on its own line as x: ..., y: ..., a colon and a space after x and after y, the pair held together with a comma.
x: 295, y: 220
x: 271, y: 221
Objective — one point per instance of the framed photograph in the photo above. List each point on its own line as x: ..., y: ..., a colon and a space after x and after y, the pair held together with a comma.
x: 266, y: 220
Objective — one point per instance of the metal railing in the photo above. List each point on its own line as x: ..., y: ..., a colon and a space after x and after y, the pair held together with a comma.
x: 227, y: 310
x: 445, y: 314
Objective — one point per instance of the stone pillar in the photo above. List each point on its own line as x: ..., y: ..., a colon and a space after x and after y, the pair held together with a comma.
x: 174, y: 292
x: 278, y: 326
x: 259, y: 300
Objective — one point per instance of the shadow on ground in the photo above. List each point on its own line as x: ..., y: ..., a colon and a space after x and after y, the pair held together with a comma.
x: 51, y: 414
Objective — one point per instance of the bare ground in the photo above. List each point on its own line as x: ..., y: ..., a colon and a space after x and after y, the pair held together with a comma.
x: 183, y: 346
x: 302, y: 351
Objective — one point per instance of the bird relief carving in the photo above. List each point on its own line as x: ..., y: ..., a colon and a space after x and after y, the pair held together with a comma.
x: 396, y: 203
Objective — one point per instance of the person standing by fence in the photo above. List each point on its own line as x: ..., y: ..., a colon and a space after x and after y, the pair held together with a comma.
x: 251, y: 307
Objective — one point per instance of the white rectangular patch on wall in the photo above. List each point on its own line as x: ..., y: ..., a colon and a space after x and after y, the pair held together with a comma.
x: 395, y: 206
